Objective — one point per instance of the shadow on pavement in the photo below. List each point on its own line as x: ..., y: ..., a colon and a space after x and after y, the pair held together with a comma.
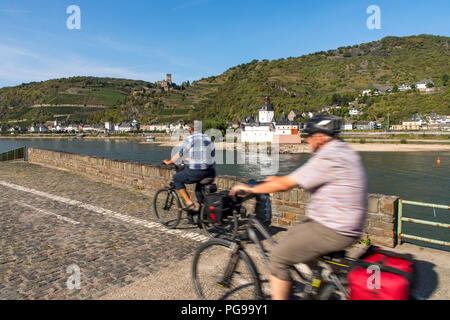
x: 425, y: 280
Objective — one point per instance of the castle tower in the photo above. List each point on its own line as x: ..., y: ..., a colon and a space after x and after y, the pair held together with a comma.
x: 169, y: 78
x: 266, y: 113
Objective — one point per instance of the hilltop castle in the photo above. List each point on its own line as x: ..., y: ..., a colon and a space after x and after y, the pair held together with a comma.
x: 166, y: 85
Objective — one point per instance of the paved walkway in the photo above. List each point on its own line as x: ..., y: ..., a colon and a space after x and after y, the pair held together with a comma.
x: 51, y: 220
x: 54, y: 223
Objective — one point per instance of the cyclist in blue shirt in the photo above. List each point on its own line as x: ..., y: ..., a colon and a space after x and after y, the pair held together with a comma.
x: 199, y: 150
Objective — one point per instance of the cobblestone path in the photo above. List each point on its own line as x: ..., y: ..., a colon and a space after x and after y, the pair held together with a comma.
x: 51, y: 221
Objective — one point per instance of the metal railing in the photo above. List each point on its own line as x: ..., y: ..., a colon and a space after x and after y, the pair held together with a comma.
x: 16, y: 154
x: 401, y: 219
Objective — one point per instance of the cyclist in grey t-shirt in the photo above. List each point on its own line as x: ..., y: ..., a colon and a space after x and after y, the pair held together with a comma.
x: 336, y: 179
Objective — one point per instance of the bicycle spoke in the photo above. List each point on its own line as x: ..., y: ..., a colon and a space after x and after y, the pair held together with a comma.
x: 166, y: 208
x: 211, y: 280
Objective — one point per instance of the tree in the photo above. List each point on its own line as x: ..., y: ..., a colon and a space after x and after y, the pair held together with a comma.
x: 395, y: 88
x: 430, y: 85
x: 444, y: 79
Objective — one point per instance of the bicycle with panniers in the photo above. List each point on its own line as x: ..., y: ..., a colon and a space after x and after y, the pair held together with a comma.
x: 223, y: 269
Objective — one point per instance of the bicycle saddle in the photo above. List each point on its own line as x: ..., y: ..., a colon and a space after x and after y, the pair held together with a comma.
x: 206, y: 181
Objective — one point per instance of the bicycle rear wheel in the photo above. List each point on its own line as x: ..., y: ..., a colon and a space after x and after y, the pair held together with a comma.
x: 167, y: 207
x: 226, y: 229
x: 208, y: 268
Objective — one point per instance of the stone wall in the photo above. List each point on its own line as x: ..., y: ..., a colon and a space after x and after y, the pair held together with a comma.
x: 288, y: 207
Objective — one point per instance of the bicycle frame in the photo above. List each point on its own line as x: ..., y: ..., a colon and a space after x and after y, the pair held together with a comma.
x: 254, y: 224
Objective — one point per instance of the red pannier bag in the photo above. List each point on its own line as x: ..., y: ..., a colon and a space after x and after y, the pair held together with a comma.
x: 393, y: 282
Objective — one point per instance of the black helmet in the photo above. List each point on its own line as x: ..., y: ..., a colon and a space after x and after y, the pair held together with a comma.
x: 323, y: 123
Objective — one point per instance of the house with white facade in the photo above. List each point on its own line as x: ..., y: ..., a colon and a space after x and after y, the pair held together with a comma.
x: 179, y: 125
x: 365, y: 125
x: 438, y: 119
x: 422, y: 84
x: 354, y: 112
x: 123, y: 127
x: 347, y: 126
x: 164, y: 127
x: 404, y: 87
x: 109, y: 126
x: 70, y: 128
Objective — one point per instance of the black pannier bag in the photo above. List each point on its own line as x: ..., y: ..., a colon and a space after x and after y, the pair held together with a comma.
x: 263, y: 206
x: 218, y: 206
x: 263, y: 209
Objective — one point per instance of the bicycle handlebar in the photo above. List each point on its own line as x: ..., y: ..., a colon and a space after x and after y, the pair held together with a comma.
x: 240, y: 197
x: 178, y: 167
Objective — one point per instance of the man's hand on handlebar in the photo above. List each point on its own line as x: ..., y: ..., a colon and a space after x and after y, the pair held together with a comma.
x: 167, y: 162
x: 240, y: 190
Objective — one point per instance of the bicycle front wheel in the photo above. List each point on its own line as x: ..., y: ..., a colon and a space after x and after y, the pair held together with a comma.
x: 209, y: 266
x: 167, y: 207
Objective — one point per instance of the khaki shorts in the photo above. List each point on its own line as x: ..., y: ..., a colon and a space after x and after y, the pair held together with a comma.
x: 303, y: 244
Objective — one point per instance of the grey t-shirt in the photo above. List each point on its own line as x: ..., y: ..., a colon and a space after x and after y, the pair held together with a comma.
x: 337, y: 181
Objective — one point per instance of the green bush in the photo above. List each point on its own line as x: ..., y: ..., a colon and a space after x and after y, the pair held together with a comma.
x: 362, y: 141
x: 403, y: 141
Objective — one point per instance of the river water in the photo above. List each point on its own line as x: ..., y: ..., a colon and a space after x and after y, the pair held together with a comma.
x: 411, y: 175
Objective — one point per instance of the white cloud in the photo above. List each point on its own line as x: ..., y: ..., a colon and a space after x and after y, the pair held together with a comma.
x: 18, y: 65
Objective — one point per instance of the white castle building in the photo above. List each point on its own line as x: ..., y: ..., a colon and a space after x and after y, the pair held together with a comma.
x: 266, y: 128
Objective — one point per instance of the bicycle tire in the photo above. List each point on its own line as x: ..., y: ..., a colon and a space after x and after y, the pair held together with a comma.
x: 208, y: 265
x: 227, y: 229
x: 167, y: 207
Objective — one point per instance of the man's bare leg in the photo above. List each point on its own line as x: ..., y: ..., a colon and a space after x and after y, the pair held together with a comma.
x: 185, y: 195
x: 280, y: 289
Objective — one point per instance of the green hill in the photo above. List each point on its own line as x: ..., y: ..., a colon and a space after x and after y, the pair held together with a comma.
x: 306, y: 83
x: 309, y: 82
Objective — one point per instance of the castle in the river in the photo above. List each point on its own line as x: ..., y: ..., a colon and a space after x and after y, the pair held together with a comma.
x: 266, y: 128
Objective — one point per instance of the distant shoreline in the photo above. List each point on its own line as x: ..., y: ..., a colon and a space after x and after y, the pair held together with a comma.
x: 370, y: 146
x: 361, y: 147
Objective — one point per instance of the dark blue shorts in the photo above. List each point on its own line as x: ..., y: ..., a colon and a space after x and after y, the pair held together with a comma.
x: 189, y: 176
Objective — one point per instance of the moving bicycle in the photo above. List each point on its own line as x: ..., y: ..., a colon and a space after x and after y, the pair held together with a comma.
x: 336, y: 180
x: 222, y: 269
x: 199, y: 151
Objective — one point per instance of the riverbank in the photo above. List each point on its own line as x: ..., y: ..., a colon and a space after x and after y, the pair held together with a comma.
x: 360, y: 147
x: 373, y: 145
x: 62, y: 136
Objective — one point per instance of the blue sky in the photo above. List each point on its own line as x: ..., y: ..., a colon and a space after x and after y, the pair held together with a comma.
x: 192, y: 39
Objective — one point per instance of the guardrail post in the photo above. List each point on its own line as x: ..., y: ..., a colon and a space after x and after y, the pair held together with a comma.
x: 399, y: 221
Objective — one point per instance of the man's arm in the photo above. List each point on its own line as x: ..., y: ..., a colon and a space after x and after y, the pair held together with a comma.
x: 275, y: 184
x: 185, y: 146
x: 174, y: 159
